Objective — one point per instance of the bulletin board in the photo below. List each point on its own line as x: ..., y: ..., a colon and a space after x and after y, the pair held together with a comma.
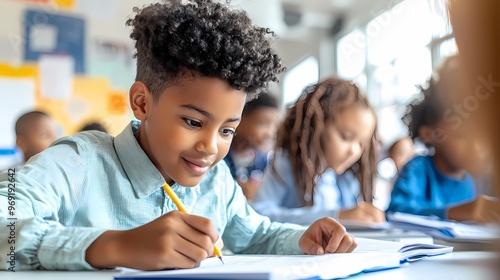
x: 91, y: 99
x: 47, y: 33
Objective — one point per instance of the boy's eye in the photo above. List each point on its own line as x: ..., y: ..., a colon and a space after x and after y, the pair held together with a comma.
x: 228, y: 132
x: 192, y: 123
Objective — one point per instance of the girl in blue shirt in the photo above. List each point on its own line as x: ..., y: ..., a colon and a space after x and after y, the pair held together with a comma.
x: 323, y: 146
x: 440, y: 184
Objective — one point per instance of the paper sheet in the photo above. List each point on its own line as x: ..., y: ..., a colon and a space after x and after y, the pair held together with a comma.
x: 276, y: 267
x: 56, y: 76
x: 18, y: 97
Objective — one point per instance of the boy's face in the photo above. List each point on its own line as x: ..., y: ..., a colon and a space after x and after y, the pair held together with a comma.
x: 189, y: 128
x: 258, y: 127
x: 453, y: 147
x: 38, y: 137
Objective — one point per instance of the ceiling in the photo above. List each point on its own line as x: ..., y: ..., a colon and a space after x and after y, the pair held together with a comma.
x: 289, y: 17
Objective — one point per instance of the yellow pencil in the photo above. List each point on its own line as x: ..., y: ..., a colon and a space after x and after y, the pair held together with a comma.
x: 182, y: 208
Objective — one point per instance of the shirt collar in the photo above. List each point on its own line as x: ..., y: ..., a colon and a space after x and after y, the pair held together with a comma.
x: 143, y: 175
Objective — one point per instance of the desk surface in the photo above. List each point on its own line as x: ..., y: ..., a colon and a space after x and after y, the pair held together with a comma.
x: 457, y: 265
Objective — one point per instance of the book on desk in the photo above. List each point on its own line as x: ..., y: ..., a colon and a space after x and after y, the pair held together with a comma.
x: 445, y: 229
x: 369, y: 256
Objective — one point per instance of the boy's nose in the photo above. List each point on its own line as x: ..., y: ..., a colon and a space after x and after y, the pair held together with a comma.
x: 208, y: 144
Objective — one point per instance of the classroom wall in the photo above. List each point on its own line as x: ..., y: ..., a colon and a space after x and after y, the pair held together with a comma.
x: 99, y: 93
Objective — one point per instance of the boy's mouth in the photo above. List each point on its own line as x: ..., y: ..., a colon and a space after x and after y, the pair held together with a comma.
x: 198, y: 167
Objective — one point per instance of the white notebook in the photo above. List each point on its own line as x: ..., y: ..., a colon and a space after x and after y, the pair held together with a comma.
x: 410, y: 252
x: 445, y: 229
x: 371, y: 255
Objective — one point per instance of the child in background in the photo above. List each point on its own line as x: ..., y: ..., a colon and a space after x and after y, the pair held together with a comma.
x: 323, y: 146
x: 93, y: 126
x: 35, y: 131
x: 441, y: 184
x: 92, y: 200
x: 247, y: 158
x: 401, y: 152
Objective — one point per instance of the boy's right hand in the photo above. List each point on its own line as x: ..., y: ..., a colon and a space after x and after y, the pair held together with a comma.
x: 174, y: 240
x: 483, y: 209
x: 364, y: 211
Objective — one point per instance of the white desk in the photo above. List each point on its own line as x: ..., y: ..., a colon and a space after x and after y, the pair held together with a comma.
x: 457, y: 266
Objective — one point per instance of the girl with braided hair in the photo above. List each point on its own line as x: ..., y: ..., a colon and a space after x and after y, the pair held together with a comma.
x: 324, y: 162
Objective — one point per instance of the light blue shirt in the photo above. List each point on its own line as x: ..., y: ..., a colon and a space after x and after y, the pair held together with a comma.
x: 85, y: 184
x: 279, y: 199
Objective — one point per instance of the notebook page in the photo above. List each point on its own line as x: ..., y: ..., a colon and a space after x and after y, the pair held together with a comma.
x: 276, y: 267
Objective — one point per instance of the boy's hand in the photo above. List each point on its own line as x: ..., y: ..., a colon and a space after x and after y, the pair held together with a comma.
x: 364, y: 211
x: 174, y: 240
x: 483, y: 209
x: 326, y: 236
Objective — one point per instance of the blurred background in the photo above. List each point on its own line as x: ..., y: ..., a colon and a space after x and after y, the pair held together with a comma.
x: 73, y: 58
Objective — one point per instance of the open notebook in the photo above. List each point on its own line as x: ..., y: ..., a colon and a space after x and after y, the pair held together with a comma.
x: 410, y: 252
x: 371, y: 255
x: 445, y: 229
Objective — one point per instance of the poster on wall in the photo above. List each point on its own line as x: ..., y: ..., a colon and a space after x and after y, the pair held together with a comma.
x: 49, y: 33
x: 68, y: 4
x: 113, y: 60
x: 56, y: 76
x: 19, y: 97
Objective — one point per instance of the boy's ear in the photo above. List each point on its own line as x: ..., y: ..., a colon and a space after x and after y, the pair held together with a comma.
x: 140, y: 99
x: 21, y: 144
x: 425, y: 133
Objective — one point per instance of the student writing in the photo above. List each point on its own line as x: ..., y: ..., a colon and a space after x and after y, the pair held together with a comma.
x: 329, y: 129
x: 95, y: 201
x: 248, y: 156
x: 441, y: 184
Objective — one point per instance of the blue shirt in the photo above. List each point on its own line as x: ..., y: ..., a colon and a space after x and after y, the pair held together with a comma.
x: 255, y: 169
x: 85, y: 184
x: 279, y: 199
x: 422, y: 190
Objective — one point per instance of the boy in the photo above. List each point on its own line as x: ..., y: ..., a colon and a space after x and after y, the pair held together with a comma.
x: 35, y: 131
x: 94, y: 201
x: 247, y: 157
x: 441, y: 184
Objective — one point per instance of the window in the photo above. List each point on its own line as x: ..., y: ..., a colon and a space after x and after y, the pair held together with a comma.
x: 297, y: 78
x: 447, y: 48
x: 392, y: 54
x: 405, y: 26
x: 351, y: 54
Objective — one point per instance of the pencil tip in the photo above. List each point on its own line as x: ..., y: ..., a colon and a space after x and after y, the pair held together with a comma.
x: 220, y: 258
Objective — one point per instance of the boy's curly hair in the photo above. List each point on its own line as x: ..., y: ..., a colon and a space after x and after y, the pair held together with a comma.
x: 203, y: 37
x: 428, y: 108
